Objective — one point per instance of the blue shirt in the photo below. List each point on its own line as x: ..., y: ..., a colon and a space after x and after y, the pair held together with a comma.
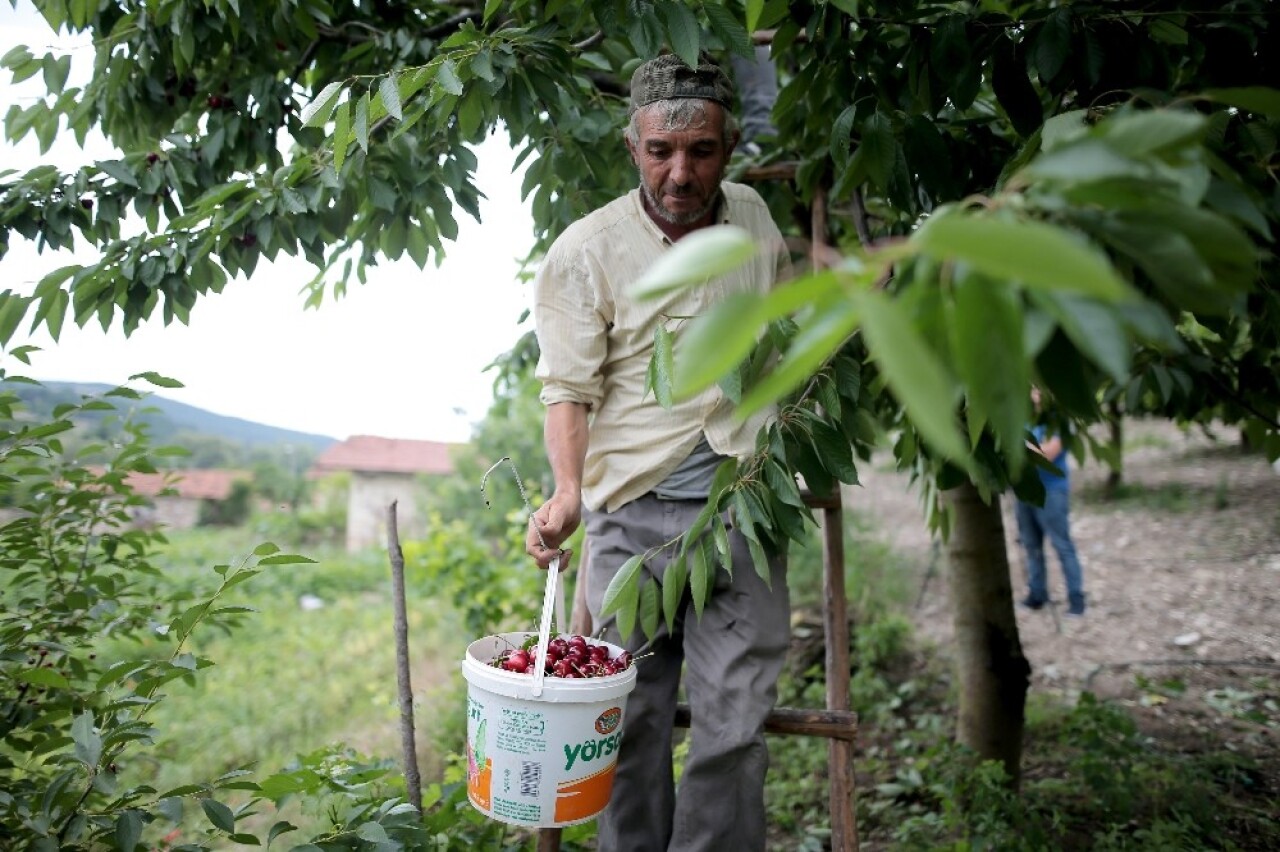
x: 1051, y: 482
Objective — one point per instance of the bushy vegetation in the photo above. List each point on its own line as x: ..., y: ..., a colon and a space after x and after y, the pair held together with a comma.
x: 198, y: 690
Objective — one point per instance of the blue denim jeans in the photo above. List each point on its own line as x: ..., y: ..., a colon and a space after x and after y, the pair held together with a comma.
x: 1054, y: 520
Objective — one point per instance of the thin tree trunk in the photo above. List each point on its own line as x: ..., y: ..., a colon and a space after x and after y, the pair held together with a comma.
x: 1115, y: 476
x: 412, y: 780
x: 993, y: 672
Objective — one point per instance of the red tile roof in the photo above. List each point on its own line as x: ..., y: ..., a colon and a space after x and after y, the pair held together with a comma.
x: 370, y: 454
x: 193, y: 484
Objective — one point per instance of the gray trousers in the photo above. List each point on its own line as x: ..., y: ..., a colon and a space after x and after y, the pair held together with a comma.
x: 733, y: 655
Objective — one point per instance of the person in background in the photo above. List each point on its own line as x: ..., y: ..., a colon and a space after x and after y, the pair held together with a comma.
x: 640, y: 474
x: 1052, y: 519
x: 757, y: 82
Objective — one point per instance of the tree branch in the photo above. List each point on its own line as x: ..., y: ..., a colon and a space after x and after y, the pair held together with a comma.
x: 452, y: 23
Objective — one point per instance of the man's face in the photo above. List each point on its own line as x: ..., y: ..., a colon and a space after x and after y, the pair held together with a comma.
x: 681, y: 170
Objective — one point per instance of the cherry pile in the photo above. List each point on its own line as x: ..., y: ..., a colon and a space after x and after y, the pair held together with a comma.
x: 567, y: 656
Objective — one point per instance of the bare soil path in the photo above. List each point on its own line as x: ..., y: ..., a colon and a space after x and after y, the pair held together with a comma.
x: 1182, y: 576
x: 1186, y: 567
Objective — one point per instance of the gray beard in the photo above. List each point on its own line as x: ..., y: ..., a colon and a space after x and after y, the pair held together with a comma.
x: 678, y: 218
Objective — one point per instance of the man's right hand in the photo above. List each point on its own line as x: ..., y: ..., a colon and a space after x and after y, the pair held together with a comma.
x: 555, y: 521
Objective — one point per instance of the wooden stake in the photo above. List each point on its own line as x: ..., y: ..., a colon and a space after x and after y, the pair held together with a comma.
x: 412, y: 780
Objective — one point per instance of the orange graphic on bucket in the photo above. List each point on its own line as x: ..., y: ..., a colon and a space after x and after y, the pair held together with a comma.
x: 479, y: 771
x: 583, y: 798
x: 608, y: 721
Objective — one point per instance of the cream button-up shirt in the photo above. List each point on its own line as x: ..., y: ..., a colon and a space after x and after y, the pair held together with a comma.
x: 596, y: 342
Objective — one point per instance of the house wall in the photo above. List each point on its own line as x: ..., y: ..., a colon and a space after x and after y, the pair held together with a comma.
x: 371, y: 494
x: 175, y: 513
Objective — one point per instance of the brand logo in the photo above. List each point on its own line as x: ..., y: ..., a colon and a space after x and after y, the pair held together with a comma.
x: 609, y: 720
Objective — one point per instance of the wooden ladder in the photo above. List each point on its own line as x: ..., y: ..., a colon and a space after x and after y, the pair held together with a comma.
x: 837, y: 722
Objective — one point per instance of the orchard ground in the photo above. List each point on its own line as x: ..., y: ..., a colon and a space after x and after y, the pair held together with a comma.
x: 1182, y: 573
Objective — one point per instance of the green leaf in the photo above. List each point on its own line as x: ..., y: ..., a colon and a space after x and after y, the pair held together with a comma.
x: 1255, y: 99
x: 341, y: 135
x: 674, y: 580
x: 88, y: 742
x: 1166, y: 31
x: 490, y: 6
x: 842, y: 136
x: 753, y: 10
x: 817, y: 340
x: 43, y: 677
x: 877, y: 150
x: 683, y: 31
x: 287, y: 559
x: 1085, y: 161
x: 1031, y: 253
x: 1013, y: 88
x: 16, y: 56
x: 1096, y: 330
x: 783, y: 484
x: 278, y: 829
x: 623, y: 594
x: 916, y: 376
x: 986, y: 328
x: 702, y: 255
x: 729, y: 30
x: 157, y: 380
x: 119, y: 170
x: 361, y: 122
x: 391, y: 97
x: 372, y: 832
x: 662, y: 366
x: 316, y: 113
x: 128, y: 830
x: 219, y: 814
x: 761, y: 561
x: 716, y: 342
x: 700, y: 577
x: 447, y: 78
x: 1139, y: 134
x: 650, y: 608
x: 1052, y: 44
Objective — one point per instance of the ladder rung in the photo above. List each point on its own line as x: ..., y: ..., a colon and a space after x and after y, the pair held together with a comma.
x: 832, y: 724
x: 771, y: 171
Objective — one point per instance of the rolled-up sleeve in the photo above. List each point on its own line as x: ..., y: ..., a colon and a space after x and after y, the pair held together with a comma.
x: 572, y: 334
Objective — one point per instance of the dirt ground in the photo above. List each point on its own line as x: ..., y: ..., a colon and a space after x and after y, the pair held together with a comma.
x: 1182, y: 576
x: 1185, y: 568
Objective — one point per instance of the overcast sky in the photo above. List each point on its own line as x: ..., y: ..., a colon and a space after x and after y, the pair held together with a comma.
x: 401, y: 357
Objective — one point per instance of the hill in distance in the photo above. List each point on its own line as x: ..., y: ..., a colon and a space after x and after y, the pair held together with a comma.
x: 168, y: 418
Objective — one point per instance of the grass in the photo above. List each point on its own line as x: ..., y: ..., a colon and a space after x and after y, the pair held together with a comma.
x: 292, y: 679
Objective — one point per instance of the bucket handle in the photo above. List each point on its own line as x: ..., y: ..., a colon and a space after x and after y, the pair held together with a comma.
x: 549, y: 605
x: 549, y: 597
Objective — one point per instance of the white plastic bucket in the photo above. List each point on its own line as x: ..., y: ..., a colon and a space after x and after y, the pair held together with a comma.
x: 544, y: 760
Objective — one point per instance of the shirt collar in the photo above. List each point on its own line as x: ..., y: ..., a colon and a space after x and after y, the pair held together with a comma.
x: 721, y: 216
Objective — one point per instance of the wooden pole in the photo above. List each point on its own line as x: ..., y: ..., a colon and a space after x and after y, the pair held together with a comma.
x: 844, y: 826
x: 412, y: 779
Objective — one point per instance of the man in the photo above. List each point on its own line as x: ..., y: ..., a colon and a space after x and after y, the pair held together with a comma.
x: 1053, y: 518
x: 643, y: 473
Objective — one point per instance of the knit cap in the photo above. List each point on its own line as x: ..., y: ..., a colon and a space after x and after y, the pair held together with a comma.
x: 669, y: 77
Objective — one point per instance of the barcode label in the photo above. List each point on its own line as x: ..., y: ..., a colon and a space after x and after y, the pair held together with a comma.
x: 530, y: 778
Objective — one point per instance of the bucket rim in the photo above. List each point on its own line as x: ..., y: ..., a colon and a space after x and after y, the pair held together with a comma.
x: 479, y: 673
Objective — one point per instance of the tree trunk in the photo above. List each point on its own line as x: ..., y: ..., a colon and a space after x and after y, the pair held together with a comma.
x: 993, y: 673
x: 1115, y: 476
